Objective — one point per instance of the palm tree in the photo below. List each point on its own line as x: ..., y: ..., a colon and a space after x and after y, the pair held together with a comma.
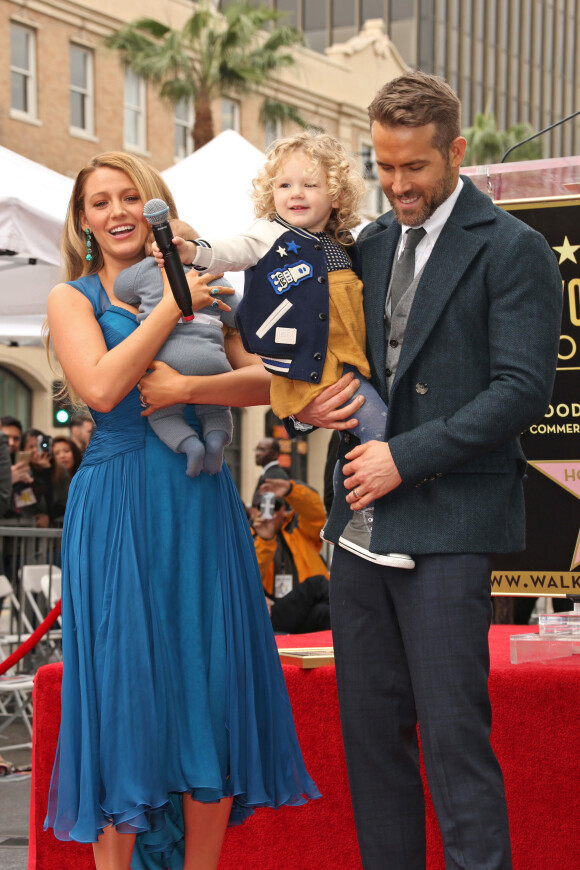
x: 487, y: 144
x: 212, y: 53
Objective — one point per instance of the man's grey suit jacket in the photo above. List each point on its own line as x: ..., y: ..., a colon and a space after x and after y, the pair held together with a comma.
x: 476, y: 369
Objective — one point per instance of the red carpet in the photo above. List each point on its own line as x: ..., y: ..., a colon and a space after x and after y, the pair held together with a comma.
x: 535, y: 735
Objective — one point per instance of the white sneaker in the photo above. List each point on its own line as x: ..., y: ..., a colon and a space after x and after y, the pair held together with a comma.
x: 356, y: 538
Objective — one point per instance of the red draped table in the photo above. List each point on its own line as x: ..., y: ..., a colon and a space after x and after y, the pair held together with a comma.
x: 535, y: 735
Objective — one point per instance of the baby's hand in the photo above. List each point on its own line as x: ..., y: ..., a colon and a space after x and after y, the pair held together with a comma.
x: 186, y: 251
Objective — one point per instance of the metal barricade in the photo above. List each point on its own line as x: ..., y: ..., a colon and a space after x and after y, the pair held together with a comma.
x: 30, y: 563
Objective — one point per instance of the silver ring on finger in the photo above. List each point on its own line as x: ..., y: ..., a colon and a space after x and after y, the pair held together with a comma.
x: 215, y: 291
x: 143, y: 402
x: 215, y: 303
x: 355, y: 493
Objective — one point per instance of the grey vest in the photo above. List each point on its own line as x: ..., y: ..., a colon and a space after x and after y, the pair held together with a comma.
x: 396, y: 325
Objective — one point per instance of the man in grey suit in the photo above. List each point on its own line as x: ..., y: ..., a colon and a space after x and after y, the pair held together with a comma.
x: 466, y: 359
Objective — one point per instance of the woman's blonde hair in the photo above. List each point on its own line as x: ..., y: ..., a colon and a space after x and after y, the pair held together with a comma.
x: 344, y: 182
x: 146, y: 179
x: 73, y: 250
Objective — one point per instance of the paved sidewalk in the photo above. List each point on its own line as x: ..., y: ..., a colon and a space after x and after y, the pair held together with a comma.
x: 14, y: 804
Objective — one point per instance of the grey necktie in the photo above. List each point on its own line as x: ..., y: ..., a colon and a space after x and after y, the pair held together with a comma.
x: 404, y: 268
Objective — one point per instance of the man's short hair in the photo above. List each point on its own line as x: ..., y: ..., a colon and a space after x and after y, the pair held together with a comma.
x: 79, y: 419
x: 10, y: 421
x: 416, y: 99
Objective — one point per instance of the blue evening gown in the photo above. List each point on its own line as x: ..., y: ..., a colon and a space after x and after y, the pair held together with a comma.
x: 172, y: 681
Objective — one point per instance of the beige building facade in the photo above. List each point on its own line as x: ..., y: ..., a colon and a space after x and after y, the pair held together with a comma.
x: 65, y: 97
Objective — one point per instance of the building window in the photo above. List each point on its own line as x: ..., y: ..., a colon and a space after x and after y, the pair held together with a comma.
x: 23, y: 70
x: 374, y: 201
x: 134, y: 114
x: 272, y: 131
x: 81, y: 89
x: 183, y: 129
x: 15, y: 397
x: 373, y: 9
x: 316, y: 26
x: 343, y: 17
x: 290, y: 8
x: 230, y: 115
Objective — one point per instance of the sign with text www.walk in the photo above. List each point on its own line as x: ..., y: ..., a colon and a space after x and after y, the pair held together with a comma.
x: 550, y: 565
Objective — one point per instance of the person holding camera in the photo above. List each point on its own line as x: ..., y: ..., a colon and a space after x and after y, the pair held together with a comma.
x: 50, y: 481
x: 287, y: 517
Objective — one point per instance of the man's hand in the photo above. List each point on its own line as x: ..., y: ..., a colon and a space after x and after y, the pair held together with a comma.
x: 325, y: 411
x: 160, y: 387
x: 278, y: 486
x: 369, y: 473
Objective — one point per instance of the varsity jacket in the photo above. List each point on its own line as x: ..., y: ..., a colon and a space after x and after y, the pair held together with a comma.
x: 283, y: 316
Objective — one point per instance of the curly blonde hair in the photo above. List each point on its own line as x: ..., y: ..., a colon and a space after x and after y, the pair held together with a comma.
x: 327, y: 155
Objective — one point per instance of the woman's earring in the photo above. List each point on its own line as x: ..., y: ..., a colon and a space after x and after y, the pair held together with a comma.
x: 89, y: 254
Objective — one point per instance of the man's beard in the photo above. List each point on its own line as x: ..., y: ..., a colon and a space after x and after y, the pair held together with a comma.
x: 430, y: 201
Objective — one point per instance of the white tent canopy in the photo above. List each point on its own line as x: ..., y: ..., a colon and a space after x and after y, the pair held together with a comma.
x: 212, y: 186
x: 211, y: 190
x: 33, y: 201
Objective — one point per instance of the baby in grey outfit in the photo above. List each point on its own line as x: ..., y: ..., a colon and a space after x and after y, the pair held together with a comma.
x: 193, y: 348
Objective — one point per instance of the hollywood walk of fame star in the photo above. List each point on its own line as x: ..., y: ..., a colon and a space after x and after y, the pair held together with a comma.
x: 566, y: 473
x: 566, y: 251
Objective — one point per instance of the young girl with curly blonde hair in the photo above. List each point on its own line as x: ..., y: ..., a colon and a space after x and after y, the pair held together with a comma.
x: 302, y: 310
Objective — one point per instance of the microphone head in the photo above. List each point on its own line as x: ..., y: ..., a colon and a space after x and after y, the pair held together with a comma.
x: 155, y: 212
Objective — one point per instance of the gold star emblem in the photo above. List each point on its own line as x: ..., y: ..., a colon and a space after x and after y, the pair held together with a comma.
x: 566, y: 251
x: 566, y: 473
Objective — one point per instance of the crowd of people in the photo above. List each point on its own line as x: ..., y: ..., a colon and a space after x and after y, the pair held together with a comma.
x: 36, y: 471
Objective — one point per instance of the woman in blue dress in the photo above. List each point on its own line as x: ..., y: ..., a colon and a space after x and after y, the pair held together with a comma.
x: 175, y: 716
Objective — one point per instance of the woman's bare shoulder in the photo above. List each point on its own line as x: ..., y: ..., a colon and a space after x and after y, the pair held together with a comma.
x: 65, y: 292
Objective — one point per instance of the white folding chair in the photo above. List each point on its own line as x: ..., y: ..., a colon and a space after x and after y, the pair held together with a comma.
x: 18, y: 689
x: 50, y: 585
x: 15, y: 689
x: 7, y: 591
x: 35, y: 579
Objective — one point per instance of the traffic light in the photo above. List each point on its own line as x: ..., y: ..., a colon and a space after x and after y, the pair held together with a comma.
x: 61, y: 408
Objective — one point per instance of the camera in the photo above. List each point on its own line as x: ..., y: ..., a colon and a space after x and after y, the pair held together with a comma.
x: 268, y: 504
x: 44, y: 445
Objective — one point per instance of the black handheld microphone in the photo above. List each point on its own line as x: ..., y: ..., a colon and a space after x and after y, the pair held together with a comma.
x: 156, y: 214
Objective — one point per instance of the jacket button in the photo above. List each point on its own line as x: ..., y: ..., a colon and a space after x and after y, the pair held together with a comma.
x: 388, y: 373
x: 321, y: 279
x: 394, y: 343
x: 323, y: 316
x: 421, y: 388
x: 317, y: 356
x: 317, y: 247
x: 313, y: 376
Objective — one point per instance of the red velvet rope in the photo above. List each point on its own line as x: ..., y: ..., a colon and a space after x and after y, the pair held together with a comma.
x: 30, y: 642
